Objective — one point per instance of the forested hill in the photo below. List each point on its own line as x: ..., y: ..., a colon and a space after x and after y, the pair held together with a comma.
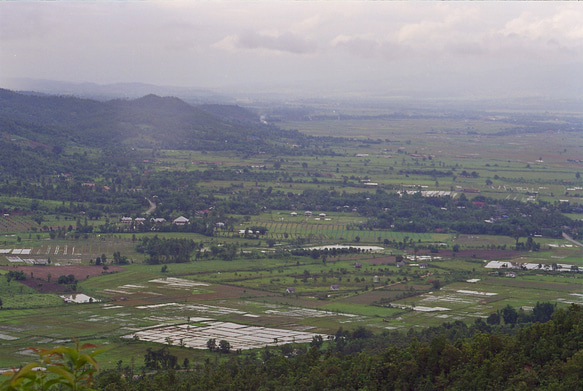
x: 231, y: 113
x: 147, y: 122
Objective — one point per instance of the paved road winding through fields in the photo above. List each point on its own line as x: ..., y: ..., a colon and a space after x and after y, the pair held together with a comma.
x: 570, y: 239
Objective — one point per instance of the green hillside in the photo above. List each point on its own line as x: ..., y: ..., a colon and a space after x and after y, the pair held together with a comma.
x: 147, y: 122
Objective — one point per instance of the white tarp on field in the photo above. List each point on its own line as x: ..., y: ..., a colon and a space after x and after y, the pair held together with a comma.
x: 239, y: 336
x: 528, y: 266
x: 79, y: 298
x: 342, y: 246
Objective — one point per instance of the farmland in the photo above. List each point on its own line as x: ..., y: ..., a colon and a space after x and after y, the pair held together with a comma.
x: 261, y: 264
x: 252, y: 292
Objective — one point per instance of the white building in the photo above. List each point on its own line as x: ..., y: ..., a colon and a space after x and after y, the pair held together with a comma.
x: 180, y: 221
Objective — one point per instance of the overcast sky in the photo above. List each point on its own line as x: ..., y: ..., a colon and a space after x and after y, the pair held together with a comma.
x: 536, y: 47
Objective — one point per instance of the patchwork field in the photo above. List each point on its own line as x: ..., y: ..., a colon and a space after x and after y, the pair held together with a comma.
x: 262, y: 295
x: 243, y: 299
x: 258, y: 297
x: 240, y: 337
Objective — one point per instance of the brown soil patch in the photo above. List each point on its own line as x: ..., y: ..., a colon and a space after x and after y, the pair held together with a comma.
x: 262, y: 321
x: 219, y: 292
x: 80, y: 272
x: 40, y: 275
x: 229, y: 292
x: 382, y: 261
x: 349, y: 257
x: 486, y: 254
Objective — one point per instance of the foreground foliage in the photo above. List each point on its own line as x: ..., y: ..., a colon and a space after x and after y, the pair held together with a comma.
x: 58, y: 368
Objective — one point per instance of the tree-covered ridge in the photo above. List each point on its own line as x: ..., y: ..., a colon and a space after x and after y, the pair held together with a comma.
x: 230, y: 113
x: 150, y: 121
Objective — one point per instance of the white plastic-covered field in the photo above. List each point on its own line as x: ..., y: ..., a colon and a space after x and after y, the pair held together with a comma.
x: 528, y: 266
x: 476, y: 293
x: 420, y: 308
x: 447, y: 298
x: 178, y: 283
x: 574, y: 298
x: 147, y: 288
x: 28, y: 261
x: 239, y: 336
x: 422, y: 258
x: 305, y: 313
x: 160, y: 305
x: 430, y: 309
x: 342, y: 246
x: 79, y: 298
x: 21, y: 251
x: 460, y: 296
x: 195, y: 308
x: 214, y: 310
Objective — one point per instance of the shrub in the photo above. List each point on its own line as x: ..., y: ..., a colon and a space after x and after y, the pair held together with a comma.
x: 66, y: 368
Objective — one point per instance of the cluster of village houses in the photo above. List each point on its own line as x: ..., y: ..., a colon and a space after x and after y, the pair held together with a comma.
x: 158, y: 220
x: 184, y: 221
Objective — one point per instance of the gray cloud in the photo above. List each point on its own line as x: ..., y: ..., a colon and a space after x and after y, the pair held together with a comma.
x: 28, y: 23
x: 467, y: 49
x: 286, y: 42
x: 219, y: 43
x: 370, y: 48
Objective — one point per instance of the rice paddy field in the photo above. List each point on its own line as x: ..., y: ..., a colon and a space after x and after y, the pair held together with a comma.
x: 261, y: 298
x: 137, y: 305
x: 331, y: 228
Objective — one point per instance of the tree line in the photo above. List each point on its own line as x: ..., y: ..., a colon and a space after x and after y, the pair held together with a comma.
x: 161, y: 250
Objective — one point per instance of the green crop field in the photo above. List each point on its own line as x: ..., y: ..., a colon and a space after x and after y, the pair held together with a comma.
x: 443, y: 278
x: 378, y: 290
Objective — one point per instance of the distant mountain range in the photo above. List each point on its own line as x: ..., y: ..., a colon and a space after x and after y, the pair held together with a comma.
x: 147, y: 122
x: 104, y: 92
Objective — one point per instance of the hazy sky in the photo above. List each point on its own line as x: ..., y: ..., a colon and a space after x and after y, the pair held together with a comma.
x: 532, y: 46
